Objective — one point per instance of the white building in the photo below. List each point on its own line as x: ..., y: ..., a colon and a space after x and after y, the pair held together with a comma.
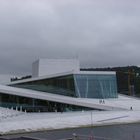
x: 57, y: 85
x: 43, y: 67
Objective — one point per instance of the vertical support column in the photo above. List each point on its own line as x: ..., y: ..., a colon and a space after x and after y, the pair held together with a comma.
x: 33, y: 104
x: 0, y: 99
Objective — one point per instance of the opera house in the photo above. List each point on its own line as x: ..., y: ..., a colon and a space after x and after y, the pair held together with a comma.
x: 59, y: 85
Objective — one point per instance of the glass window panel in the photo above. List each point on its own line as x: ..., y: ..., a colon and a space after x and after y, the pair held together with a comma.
x: 95, y: 86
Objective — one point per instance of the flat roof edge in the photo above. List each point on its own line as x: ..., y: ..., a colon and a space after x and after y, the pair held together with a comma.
x: 96, y: 72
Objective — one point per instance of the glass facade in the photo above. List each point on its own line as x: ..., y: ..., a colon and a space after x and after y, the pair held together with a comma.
x: 36, y: 105
x: 95, y: 86
x: 77, y: 85
x: 63, y: 85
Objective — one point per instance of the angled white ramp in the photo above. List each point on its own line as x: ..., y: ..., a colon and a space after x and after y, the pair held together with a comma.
x: 56, y: 98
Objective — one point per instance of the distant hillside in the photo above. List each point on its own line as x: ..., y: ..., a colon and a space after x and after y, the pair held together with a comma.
x: 122, y: 69
x: 128, y: 78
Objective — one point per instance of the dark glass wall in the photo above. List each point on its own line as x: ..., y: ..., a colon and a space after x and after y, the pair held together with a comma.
x: 36, y: 105
x: 95, y: 86
x: 24, y: 103
x: 59, y: 85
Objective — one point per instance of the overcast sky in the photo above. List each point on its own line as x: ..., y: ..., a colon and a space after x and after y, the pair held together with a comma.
x: 101, y: 33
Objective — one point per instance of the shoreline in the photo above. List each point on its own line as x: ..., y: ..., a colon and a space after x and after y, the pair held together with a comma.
x: 20, y: 132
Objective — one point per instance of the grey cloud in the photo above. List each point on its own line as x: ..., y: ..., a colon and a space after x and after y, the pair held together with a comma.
x: 100, y: 33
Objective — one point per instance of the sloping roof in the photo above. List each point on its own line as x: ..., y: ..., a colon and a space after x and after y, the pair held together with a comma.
x: 53, y: 97
x: 62, y: 74
x: 40, y: 78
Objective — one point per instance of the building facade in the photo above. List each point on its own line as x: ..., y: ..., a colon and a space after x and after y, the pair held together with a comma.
x: 69, y: 83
